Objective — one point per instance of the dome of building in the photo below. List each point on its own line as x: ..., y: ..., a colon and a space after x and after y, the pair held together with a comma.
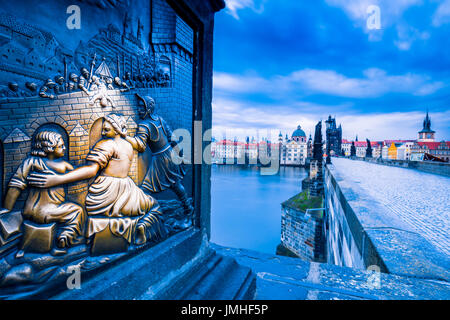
x: 299, y: 132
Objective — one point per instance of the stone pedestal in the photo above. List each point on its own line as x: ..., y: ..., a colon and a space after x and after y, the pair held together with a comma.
x: 10, y: 226
x: 105, y: 242
x: 38, y: 237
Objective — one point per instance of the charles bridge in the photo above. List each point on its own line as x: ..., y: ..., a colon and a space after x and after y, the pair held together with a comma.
x: 115, y: 117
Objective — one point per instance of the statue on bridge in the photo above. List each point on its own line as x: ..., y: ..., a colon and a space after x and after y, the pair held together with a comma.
x: 369, y: 149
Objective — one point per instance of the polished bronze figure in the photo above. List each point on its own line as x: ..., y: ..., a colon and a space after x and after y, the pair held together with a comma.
x: 69, y: 170
x: 113, y: 201
x: 46, y: 205
x: 162, y: 173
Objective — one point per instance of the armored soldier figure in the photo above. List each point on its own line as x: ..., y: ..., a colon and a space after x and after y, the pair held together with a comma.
x: 45, y: 90
x: 60, y: 87
x: 160, y: 79
x: 166, y: 79
x: 128, y: 79
x: 109, y: 83
x: 163, y: 173
x: 150, y: 80
x: 84, y: 80
x: 73, y: 83
x: 32, y: 89
x: 121, y: 85
x: 12, y: 91
x: 95, y: 83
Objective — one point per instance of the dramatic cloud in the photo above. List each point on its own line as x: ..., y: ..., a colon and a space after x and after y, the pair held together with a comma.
x: 374, y: 83
x: 299, y: 61
x: 391, y: 13
x: 394, y: 125
x: 233, y: 6
x: 236, y: 118
x: 442, y: 14
x: 232, y: 118
x: 407, y: 35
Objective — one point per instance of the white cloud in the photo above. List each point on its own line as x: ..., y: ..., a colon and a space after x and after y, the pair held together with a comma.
x: 395, y: 125
x: 374, y: 83
x: 442, y: 14
x: 239, y: 119
x: 239, y: 83
x: 407, y: 35
x: 391, y: 10
x: 233, y: 6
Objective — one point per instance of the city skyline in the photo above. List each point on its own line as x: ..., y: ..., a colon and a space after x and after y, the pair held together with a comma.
x: 306, y: 61
x: 271, y: 135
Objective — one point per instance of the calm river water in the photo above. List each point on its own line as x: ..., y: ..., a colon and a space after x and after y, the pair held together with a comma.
x: 245, y: 205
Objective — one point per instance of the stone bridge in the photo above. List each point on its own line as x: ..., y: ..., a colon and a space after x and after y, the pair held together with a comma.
x: 394, y: 218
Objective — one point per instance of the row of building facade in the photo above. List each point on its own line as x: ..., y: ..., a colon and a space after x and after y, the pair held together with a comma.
x: 292, y: 151
x: 425, y: 147
x: 297, y: 149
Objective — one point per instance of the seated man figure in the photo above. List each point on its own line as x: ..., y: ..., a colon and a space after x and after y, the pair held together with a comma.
x: 47, y: 205
x: 113, y: 194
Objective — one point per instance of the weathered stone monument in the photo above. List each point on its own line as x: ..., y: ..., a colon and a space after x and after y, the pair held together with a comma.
x: 316, y: 179
x: 369, y: 149
x: 96, y: 100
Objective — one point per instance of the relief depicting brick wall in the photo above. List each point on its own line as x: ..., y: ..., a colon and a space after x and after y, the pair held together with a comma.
x: 168, y: 53
x: 21, y: 117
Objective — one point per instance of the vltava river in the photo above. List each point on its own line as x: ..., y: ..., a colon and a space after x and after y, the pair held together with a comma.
x: 245, y: 205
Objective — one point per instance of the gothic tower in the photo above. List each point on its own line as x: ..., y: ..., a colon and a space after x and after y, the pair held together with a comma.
x: 426, y: 134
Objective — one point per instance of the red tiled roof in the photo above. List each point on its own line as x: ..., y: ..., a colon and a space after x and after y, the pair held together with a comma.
x: 389, y: 142
x: 433, y: 145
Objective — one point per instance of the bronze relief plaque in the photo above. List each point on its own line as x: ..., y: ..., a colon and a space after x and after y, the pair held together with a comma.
x: 91, y: 93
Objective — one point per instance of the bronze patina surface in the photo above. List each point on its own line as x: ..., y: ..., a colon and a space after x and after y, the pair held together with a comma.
x: 86, y: 111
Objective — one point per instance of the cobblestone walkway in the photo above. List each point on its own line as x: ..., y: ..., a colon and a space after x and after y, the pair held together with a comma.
x: 420, y: 199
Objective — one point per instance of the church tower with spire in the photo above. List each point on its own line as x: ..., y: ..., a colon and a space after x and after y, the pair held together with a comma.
x: 426, y: 134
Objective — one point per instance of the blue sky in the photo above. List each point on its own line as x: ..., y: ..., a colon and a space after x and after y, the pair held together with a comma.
x: 280, y: 63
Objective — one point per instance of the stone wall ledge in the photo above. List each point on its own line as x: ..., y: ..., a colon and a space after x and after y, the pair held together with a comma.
x: 381, y: 237
x: 284, y: 278
x: 440, y: 168
x: 132, y: 278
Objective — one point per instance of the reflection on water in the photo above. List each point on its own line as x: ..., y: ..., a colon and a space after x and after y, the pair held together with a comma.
x: 245, y: 205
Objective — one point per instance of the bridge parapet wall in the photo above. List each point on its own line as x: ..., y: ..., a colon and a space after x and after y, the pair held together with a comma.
x: 440, y: 168
x: 363, y: 234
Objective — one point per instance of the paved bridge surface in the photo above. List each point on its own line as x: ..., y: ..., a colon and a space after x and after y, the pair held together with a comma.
x: 417, y: 201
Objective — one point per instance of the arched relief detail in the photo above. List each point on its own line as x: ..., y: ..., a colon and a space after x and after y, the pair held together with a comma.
x: 41, y: 121
x: 3, y: 133
x: 53, y: 126
x: 94, y: 117
x: 95, y: 132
